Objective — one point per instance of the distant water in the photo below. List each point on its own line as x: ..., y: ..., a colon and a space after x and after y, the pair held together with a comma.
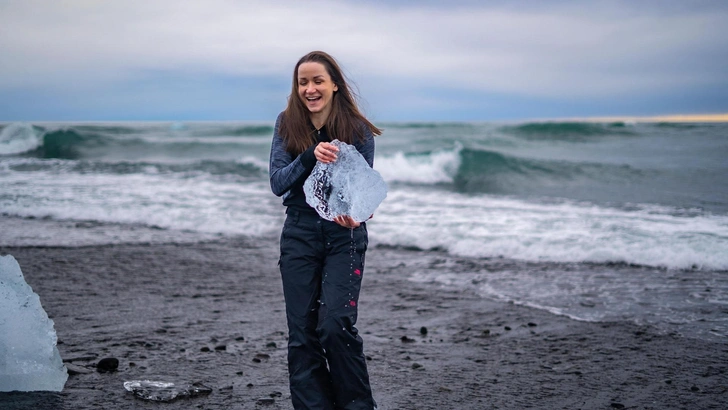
x: 641, y: 209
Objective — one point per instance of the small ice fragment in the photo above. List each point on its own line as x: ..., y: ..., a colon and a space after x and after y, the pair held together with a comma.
x: 29, y: 357
x: 164, y: 391
x: 347, y: 186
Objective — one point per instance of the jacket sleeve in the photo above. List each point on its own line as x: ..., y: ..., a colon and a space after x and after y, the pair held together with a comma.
x: 366, y: 146
x: 285, y: 170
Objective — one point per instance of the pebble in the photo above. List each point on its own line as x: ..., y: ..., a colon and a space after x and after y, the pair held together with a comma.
x: 406, y: 339
x: 221, y: 347
x: 109, y: 364
x: 260, y: 357
x: 423, y: 330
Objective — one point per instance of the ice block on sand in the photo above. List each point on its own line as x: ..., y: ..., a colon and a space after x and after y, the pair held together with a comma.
x: 29, y: 358
x: 347, y: 186
x: 165, y: 391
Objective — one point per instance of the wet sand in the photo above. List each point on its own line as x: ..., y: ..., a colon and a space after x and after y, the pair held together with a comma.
x: 213, y: 313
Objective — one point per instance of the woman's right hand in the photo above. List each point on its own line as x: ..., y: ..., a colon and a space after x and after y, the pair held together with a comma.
x: 346, y: 221
x: 325, y: 152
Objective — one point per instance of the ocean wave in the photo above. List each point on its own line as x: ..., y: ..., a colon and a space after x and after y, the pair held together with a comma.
x: 105, y: 129
x: 250, y: 130
x: 89, y: 141
x: 424, y: 168
x: 69, y: 143
x: 475, y: 170
x: 247, y: 167
x: 214, y: 197
x: 17, y: 138
x: 492, y: 227
x: 678, y: 125
x: 59, y: 143
x: 62, y: 142
x: 566, y: 131
x: 197, y: 204
x: 486, y: 171
x: 428, y: 125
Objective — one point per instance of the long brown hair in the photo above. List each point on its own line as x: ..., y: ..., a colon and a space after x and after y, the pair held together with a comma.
x: 344, y: 123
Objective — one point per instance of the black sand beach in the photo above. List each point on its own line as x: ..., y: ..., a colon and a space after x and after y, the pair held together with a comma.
x: 213, y: 313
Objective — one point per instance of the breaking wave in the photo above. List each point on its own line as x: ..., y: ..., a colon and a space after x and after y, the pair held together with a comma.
x: 81, y: 141
x: 17, y: 138
x: 487, y: 171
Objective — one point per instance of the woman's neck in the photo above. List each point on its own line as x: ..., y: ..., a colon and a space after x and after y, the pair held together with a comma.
x: 318, y: 119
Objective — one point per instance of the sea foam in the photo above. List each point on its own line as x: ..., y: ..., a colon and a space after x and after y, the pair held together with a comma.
x: 491, y: 226
x: 430, y: 168
x: 17, y: 138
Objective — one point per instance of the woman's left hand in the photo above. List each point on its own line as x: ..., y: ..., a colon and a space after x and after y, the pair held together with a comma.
x: 346, y: 221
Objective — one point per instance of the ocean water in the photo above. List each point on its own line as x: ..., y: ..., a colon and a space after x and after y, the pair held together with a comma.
x: 596, y: 221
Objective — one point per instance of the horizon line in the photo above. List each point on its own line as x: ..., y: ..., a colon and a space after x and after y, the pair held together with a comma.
x: 711, y: 117
x: 723, y: 117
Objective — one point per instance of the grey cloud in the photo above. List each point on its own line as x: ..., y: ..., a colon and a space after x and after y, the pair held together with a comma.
x: 569, y: 49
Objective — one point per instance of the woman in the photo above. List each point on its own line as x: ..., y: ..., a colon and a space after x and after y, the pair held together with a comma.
x: 321, y: 261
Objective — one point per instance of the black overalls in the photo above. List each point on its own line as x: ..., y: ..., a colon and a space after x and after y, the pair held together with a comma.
x: 322, y: 264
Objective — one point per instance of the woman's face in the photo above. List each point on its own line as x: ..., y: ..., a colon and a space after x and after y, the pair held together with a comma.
x: 315, y: 88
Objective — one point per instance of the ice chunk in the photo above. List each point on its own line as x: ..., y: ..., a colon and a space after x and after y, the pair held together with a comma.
x: 347, y: 186
x: 29, y: 358
x: 164, y: 391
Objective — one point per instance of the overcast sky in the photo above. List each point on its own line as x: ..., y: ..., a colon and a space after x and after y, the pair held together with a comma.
x: 411, y: 60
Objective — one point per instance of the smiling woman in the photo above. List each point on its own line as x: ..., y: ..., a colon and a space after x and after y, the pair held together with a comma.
x: 316, y: 91
x: 322, y: 261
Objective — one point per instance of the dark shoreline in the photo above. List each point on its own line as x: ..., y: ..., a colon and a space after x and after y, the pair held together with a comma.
x: 206, y: 311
